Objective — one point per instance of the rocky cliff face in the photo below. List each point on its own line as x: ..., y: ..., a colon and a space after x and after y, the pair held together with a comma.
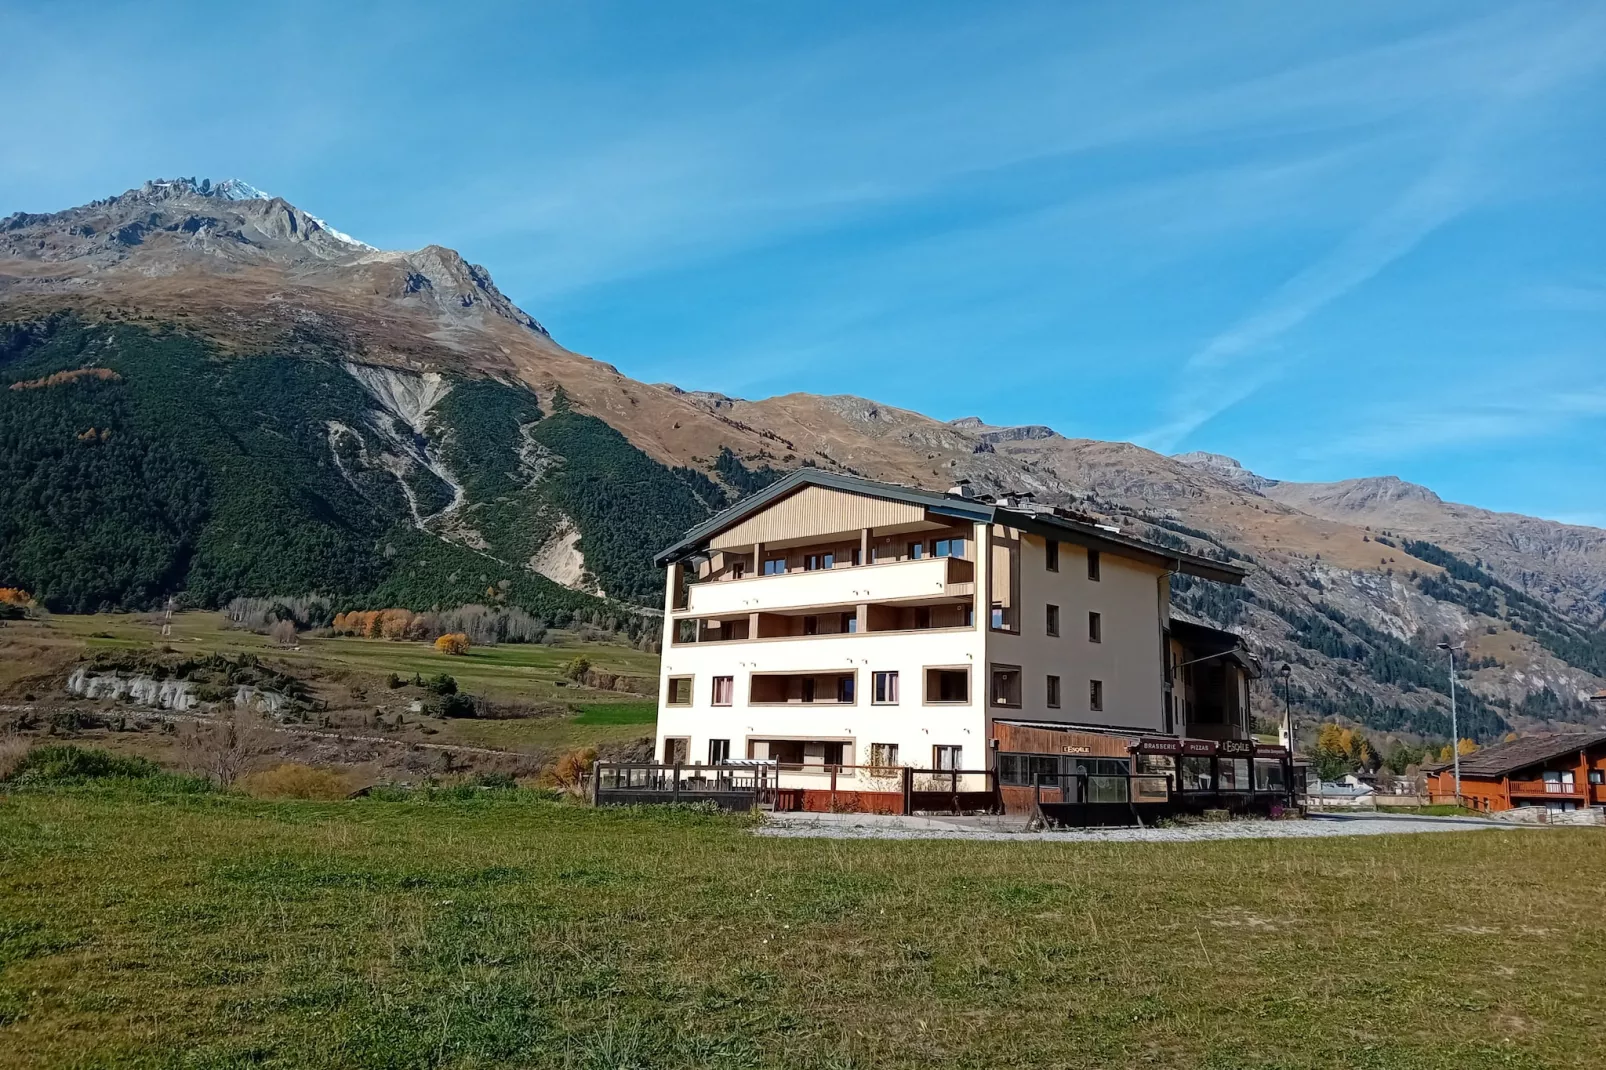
x: 1351, y: 583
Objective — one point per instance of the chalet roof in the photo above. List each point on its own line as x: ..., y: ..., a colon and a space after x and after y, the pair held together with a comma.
x: 1206, y: 641
x: 1503, y: 759
x: 1044, y: 523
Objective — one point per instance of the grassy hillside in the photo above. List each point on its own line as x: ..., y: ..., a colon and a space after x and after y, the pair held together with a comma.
x: 207, y: 930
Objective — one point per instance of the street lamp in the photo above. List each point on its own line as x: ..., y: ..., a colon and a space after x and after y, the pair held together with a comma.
x: 1455, y: 733
x: 1288, y: 709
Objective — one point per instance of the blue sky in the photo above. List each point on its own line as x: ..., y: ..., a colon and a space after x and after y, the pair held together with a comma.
x: 1329, y: 240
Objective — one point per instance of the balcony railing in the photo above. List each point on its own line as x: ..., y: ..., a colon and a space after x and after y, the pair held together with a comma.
x: 932, y: 577
x: 1545, y: 787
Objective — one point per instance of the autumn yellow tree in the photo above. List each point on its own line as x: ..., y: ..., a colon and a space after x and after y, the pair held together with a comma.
x: 452, y: 643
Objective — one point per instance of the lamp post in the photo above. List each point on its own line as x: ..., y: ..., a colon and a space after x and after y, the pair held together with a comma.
x: 1455, y: 732
x: 1288, y: 709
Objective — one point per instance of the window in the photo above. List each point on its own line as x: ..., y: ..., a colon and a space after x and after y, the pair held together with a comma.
x: 998, y: 617
x: 1095, y: 628
x: 1093, y: 565
x: 922, y: 616
x: 1053, y: 692
x: 947, y: 685
x: 1053, y: 621
x: 844, y: 689
x: 884, y: 688
x: 811, y: 625
x: 737, y: 570
x: 967, y: 613
x: 1051, y: 555
x: 775, y: 566
x: 883, y: 754
x: 917, y: 550
x: 1095, y: 695
x: 1597, y: 776
x: 719, y: 751
x: 677, y: 750
x: 679, y: 691
x: 1006, y: 685
x: 724, y: 690
x: 946, y: 757
x: 856, y: 556
x: 686, y: 631
x: 808, y: 689
x: 850, y: 623
x: 1029, y: 769
x: 818, y: 562
x: 950, y: 548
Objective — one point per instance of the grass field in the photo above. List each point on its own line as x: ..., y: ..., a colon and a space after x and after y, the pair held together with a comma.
x: 214, y: 931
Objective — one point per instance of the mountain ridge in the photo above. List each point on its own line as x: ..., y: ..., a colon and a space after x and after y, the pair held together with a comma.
x: 1332, y: 592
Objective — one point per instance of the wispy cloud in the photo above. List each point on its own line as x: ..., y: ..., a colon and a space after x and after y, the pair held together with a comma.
x: 1243, y: 358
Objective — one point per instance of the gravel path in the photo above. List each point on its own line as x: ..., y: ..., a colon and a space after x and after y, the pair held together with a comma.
x: 1013, y: 829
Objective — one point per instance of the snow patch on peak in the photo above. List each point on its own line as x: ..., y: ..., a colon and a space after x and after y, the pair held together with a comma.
x: 238, y: 189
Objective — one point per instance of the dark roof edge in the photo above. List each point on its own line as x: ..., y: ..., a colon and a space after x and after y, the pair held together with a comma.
x: 1045, y: 524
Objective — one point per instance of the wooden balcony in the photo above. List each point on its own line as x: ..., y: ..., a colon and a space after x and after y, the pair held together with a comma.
x: 1528, y: 789
x: 893, y: 581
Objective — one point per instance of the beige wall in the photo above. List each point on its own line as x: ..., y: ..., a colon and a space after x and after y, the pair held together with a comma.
x: 1129, y: 596
x: 817, y: 511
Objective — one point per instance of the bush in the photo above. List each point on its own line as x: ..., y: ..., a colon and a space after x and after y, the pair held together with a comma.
x: 294, y: 781
x: 66, y: 764
x: 452, y: 643
x: 578, y: 666
x: 441, y: 685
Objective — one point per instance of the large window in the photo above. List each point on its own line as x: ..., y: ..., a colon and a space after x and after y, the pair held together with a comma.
x: 1029, y: 769
x: 719, y: 751
x: 948, y: 685
x: 1095, y: 695
x: 1053, y: 692
x: 1006, y: 685
x: 884, y: 688
x: 1052, y: 620
x: 775, y: 566
x: 724, y: 690
x: 1095, y: 628
x: 949, y: 548
x: 818, y: 562
x: 679, y: 691
x: 946, y: 757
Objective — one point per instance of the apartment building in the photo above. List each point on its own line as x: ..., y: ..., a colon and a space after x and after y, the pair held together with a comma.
x: 834, y: 621
x: 1560, y: 772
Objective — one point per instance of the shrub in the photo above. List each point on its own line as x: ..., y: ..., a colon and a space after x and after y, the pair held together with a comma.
x: 578, y: 666
x: 452, y: 643
x: 441, y: 685
x: 66, y: 764
x: 570, y: 770
x: 294, y: 781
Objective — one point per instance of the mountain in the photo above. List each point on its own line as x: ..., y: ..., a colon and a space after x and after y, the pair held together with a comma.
x: 212, y: 393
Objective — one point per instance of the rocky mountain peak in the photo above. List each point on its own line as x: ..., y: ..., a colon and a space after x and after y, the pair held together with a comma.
x: 1226, y: 469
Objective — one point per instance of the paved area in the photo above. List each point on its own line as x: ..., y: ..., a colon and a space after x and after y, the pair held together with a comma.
x: 1013, y: 829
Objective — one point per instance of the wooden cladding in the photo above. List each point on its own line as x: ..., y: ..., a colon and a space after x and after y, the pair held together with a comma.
x: 816, y: 512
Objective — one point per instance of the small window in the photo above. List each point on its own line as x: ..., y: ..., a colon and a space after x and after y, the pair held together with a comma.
x: 719, y: 751
x: 1095, y: 628
x: 844, y: 689
x: 724, y: 690
x: 818, y: 562
x: 677, y: 750
x: 884, y: 688
x: 998, y: 617
x: 945, y: 758
x: 1095, y: 695
x: 1051, y: 555
x: 686, y: 631
x: 856, y: 556
x: 808, y: 689
x: 1597, y: 776
x: 916, y: 550
x: 850, y: 623
x: 947, y: 685
x: 950, y: 548
x: 679, y: 691
x: 1006, y: 685
x: 1053, y: 692
x: 811, y: 625
x: 967, y: 613
x: 1093, y: 565
x: 1053, y: 621
x: 883, y: 755
x: 738, y: 570
x: 775, y: 566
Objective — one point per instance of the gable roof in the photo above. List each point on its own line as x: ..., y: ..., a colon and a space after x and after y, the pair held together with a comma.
x: 1046, y: 524
x: 1503, y: 759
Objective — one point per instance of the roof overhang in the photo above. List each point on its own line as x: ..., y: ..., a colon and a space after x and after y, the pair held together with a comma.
x: 1048, y: 525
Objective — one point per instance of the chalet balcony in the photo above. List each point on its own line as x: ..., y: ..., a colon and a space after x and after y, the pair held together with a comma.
x: 1528, y: 789
x: 893, y: 581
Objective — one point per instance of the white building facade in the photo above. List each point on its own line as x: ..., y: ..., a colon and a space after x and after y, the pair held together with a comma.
x: 830, y: 621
